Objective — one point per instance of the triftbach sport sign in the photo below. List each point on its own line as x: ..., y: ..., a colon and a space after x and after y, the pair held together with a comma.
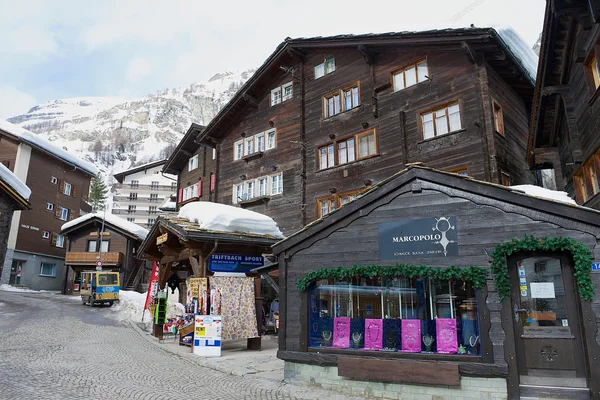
x: 432, y: 237
x: 234, y: 262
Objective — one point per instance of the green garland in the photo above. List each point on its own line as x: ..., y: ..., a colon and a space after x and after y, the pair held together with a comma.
x: 581, y: 256
x: 477, y: 275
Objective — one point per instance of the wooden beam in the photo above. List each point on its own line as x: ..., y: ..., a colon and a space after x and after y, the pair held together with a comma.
x: 185, y: 153
x: 469, y: 52
x: 250, y: 100
x: 297, y: 54
x: 195, y: 267
x: 431, y: 373
x: 164, y: 272
x: 367, y: 54
x: 562, y: 90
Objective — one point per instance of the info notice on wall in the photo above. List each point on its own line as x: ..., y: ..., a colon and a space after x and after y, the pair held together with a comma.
x: 542, y: 290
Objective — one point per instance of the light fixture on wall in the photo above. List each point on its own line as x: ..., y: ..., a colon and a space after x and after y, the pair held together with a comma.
x: 243, y: 134
x: 243, y: 177
x: 274, y: 168
x: 365, y: 125
x: 333, y: 190
x: 368, y: 182
x: 271, y: 123
x: 332, y: 136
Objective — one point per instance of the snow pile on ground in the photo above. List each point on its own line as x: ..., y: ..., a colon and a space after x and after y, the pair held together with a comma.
x: 224, y: 218
x: 131, y: 307
x: 9, y: 288
x: 127, y: 226
x: 14, y: 182
x: 547, y: 194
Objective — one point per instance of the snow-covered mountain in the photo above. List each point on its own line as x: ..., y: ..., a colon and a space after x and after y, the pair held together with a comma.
x: 116, y: 134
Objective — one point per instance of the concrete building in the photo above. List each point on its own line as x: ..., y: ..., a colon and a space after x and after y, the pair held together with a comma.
x: 59, y: 183
x: 140, y: 191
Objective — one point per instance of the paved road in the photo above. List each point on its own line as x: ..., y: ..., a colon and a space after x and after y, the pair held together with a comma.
x: 51, y: 347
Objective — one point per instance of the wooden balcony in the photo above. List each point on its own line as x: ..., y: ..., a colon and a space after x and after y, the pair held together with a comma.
x: 86, y: 258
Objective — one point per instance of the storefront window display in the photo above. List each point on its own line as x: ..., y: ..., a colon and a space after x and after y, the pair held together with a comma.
x: 417, y: 315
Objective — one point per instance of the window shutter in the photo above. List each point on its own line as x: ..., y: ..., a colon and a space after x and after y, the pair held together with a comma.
x: 73, y: 191
x: 61, y: 186
x: 57, y: 212
x: 180, y: 195
x: 200, y: 188
x: 212, y: 182
x: 54, y: 237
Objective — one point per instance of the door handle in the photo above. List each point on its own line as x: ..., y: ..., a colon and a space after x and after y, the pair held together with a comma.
x: 522, y: 310
x: 517, y: 311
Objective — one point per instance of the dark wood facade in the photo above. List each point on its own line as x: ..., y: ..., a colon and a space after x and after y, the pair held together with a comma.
x: 471, y: 68
x: 486, y: 216
x: 120, y: 255
x: 566, y: 112
x: 46, y: 177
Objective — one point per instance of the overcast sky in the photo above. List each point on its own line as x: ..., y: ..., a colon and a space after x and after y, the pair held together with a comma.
x: 129, y: 48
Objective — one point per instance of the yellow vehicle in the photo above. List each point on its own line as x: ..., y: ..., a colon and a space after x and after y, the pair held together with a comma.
x: 99, y: 287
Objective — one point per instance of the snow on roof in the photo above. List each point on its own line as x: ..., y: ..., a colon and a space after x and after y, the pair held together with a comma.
x: 127, y: 226
x: 522, y: 53
x: 224, y: 218
x: 168, y: 205
x: 38, y: 141
x: 14, y: 182
x: 547, y: 194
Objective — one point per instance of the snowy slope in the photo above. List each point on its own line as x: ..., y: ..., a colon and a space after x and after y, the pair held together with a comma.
x: 117, y: 134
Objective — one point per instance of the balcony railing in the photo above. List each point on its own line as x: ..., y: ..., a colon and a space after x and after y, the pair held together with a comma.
x: 136, y: 212
x: 145, y: 187
x: 89, y: 258
x: 138, y: 199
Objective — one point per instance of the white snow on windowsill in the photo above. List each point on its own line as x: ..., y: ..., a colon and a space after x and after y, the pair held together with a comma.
x: 224, y: 218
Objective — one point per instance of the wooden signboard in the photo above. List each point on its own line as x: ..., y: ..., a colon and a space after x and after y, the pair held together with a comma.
x: 162, y: 238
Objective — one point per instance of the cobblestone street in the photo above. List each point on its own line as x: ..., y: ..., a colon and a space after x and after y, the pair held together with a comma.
x: 52, y: 347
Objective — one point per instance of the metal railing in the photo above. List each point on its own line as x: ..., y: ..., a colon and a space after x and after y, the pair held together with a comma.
x: 90, y: 258
x: 145, y: 187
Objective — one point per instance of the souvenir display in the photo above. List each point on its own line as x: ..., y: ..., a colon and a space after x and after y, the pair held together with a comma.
x: 373, y: 334
x: 341, y: 332
x: 446, y: 335
x: 411, y: 335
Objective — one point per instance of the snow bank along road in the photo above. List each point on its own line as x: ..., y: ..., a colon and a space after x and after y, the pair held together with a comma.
x: 52, y: 347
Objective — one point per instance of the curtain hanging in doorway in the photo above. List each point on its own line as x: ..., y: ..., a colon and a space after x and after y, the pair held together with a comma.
x: 237, y: 306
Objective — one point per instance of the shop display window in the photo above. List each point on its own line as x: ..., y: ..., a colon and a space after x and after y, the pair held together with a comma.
x: 416, y: 315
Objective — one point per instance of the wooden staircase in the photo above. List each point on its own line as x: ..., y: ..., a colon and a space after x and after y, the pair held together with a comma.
x: 132, y: 280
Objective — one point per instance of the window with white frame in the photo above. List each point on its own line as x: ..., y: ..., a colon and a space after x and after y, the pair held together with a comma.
x: 190, y: 192
x: 193, y: 163
x: 326, y: 67
x: 263, y: 186
x: 154, y: 185
x: 153, y: 196
x: 277, y: 184
x: 54, y: 180
x: 442, y: 121
x: 271, y: 139
x: 64, y: 214
x: 288, y: 91
x: 130, y: 219
x: 67, y: 189
x: 45, y: 235
x: 151, y: 221
x: 410, y: 75
x: 359, y: 146
x: 253, y: 144
x: 49, y: 206
x: 47, y: 269
x: 259, y: 187
x: 341, y: 101
x: 60, y: 241
x: 152, y: 209
x: 282, y: 93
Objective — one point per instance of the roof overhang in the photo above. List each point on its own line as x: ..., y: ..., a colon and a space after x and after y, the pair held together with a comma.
x: 96, y: 220
x: 20, y: 202
x: 184, y: 150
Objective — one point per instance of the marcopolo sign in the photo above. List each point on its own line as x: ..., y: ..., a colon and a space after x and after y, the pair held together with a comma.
x: 234, y: 263
x: 431, y: 237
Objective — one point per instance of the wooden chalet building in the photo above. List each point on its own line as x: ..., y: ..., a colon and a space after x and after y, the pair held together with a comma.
x: 324, y: 118
x: 565, y: 123
x: 434, y: 285
x: 14, y: 195
x: 59, y: 183
x: 110, y: 239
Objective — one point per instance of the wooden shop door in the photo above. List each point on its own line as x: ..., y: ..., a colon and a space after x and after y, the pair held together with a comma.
x: 547, y: 325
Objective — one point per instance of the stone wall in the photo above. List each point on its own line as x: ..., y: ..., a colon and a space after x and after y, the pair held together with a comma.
x: 327, y: 378
x: 6, y: 213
